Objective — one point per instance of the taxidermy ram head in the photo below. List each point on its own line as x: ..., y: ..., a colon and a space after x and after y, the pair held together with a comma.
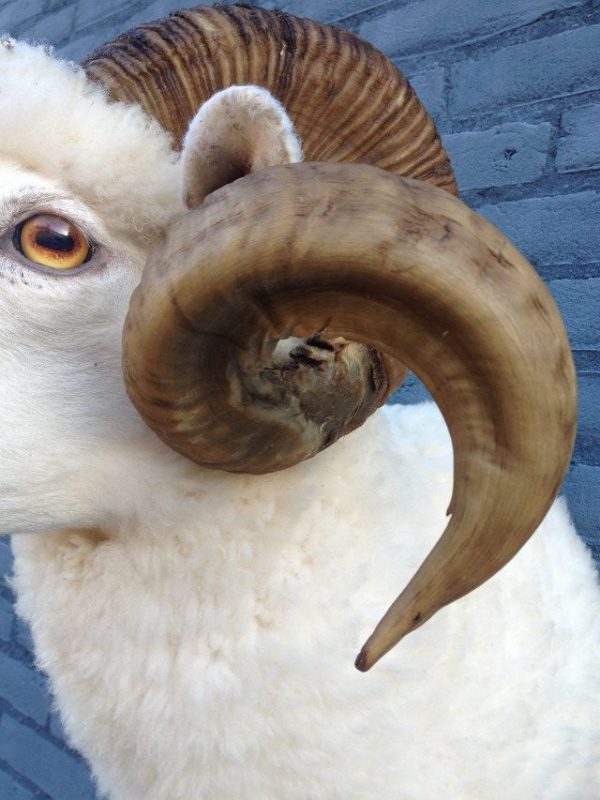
x: 372, y: 252
x: 360, y: 259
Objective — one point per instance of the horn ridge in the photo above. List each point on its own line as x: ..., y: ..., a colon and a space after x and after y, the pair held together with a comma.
x: 389, y: 262
x: 347, y: 101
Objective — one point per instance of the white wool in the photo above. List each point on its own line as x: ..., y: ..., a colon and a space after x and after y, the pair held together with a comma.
x: 207, y: 651
x: 112, y: 157
x: 199, y: 628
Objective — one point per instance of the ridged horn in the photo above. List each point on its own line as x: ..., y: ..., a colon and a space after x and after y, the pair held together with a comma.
x: 347, y: 101
x: 383, y: 260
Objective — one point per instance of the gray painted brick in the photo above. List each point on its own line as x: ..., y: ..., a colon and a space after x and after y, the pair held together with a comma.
x: 429, y: 86
x: 324, y: 10
x: 582, y: 487
x: 6, y: 620
x: 512, y: 153
x: 55, y: 771
x: 24, y: 689
x: 18, y: 14
x: 587, y: 445
x: 56, y: 726
x: 410, y: 391
x: 430, y: 24
x: 579, y: 303
x: 77, y: 49
x: 23, y: 635
x: 97, y: 23
x: 6, y: 557
x: 52, y: 28
x: 563, y: 64
x: 579, y: 147
x: 587, y: 362
x: 561, y: 229
x: 90, y: 12
x: 107, y: 22
x: 10, y: 790
x: 151, y: 11
x: 52, y: 5
x: 157, y: 10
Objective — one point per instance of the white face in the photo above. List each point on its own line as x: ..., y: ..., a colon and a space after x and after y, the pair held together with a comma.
x: 73, y: 451
x: 64, y: 412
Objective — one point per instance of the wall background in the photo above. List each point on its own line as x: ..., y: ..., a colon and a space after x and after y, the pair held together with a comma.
x: 514, y: 87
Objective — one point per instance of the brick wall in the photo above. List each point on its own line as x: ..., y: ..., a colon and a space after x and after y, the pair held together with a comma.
x: 514, y: 87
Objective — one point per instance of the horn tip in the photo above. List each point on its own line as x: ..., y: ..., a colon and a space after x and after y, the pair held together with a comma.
x: 363, y: 661
x: 387, y: 635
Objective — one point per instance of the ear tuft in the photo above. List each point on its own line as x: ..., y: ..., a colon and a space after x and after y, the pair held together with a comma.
x: 238, y: 131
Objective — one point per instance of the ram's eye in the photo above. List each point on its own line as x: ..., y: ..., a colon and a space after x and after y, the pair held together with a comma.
x: 52, y: 242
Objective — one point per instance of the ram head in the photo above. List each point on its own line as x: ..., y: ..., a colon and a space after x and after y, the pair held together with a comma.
x: 316, y: 262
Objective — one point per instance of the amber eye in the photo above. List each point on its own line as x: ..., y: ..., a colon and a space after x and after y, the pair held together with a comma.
x: 52, y: 242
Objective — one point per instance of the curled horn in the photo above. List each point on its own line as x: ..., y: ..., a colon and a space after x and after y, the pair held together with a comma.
x: 379, y: 259
x: 387, y: 261
x: 348, y: 102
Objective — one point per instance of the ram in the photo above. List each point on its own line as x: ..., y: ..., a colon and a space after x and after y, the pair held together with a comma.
x: 191, y: 316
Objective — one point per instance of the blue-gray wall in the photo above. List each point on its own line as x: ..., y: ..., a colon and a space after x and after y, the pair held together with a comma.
x: 514, y: 86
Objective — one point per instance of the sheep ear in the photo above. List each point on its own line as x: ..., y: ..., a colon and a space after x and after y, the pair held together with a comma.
x: 238, y: 131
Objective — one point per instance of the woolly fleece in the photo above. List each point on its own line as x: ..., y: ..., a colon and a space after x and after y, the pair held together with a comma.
x: 134, y: 187
x: 208, y: 651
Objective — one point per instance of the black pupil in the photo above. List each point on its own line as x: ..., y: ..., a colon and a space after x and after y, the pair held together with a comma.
x: 52, y: 240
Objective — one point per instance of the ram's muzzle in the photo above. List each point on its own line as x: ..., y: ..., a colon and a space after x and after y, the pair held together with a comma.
x: 390, y: 262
